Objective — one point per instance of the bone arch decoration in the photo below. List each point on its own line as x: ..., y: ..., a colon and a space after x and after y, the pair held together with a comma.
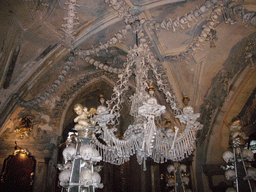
x: 76, y: 88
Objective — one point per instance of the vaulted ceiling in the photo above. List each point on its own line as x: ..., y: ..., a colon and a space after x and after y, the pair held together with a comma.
x: 205, y: 57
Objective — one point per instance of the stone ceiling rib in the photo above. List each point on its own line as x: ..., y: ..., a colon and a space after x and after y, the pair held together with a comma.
x: 150, y: 5
x: 85, y: 31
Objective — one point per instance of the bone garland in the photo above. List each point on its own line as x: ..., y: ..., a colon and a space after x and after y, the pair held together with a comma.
x: 213, y: 20
x: 121, y: 34
x: 183, y: 21
x: 228, y: 12
x: 100, y: 65
x: 117, y: 38
x: 217, y: 12
x: 52, y: 89
x: 124, y: 11
x: 71, y: 21
x: 114, y: 145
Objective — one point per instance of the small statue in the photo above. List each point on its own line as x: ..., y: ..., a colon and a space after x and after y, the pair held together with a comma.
x: 82, y: 118
x: 85, y: 120
x: 237, y: 135
x: 188, y: 112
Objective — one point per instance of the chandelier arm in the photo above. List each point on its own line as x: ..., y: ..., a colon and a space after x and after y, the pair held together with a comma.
x: 170, y: 97
x: 151, y: 60
x: 114, y: 105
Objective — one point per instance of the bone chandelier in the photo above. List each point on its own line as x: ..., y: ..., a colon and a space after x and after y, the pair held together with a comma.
x: 144, y: 137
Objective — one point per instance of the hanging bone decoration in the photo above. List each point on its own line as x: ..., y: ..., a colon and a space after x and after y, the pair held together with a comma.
x: 88, y: 153
x: 251, y: 173
x: 69, y: 153
x: 89, y: 177
x: 228, y: 156
x: 248, y: 155
x: 64, y: 177
x: 185, y: 180
x: 230, y: 175
x: 143, y: 138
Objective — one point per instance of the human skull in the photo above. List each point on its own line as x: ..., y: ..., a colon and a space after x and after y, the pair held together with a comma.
x: 64, y: 176
x: 183, y: 168
x: 170, y: 132
x: 171, y: 169
x: 88, y: 153
x: 85, y: 176
x: 208, y: 4
x: 251, y: 173
x: 171, y: 182
x: 253, y: 21
x: 185, y: 180
x: 248, y: 154
x: 203, y: 9
x: 96, y: 177
x: 228, y: 156
x: 69, y: 153
x: 230, y: 174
